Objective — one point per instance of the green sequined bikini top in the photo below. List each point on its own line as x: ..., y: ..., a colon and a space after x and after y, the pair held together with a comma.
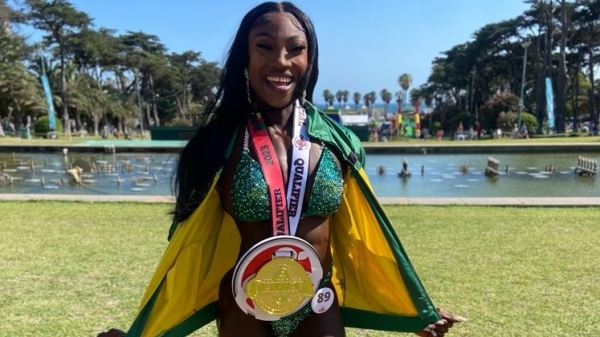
x: 250, y: 196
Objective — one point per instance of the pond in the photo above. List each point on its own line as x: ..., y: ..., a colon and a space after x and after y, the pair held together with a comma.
x: 432, y: 175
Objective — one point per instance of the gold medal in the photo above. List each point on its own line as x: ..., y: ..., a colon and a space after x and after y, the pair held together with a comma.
x: 280, y: 287
x: 270, y: 283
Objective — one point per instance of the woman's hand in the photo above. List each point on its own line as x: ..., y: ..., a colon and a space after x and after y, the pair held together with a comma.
x: 441, y: 327
x: 112, y: 333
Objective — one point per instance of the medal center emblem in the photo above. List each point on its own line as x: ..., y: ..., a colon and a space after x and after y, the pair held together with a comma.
x: 280, y: 287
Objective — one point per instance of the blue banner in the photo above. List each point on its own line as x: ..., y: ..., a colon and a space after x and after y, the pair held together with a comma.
x: 49, y: 102
x: 550, y: 103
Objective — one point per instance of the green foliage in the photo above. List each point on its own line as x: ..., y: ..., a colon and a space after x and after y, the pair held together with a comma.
x: 530, y: 121
x: 498, y: 103
x: 41, y: 125
x: 436, y: 126
x: 476, y: 75
x: 507, y: 121
x: 405, y: 81
x: 179, y: 121
x: 450, y: 116
x: 457, y: 118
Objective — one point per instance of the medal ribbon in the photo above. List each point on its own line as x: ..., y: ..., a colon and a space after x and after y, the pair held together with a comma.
x: 285, y: 210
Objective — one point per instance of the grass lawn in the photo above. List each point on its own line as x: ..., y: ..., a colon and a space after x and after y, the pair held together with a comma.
x: 74, y: 269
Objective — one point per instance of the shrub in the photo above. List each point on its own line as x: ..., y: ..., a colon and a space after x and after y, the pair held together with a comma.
x: 530, y: 120
x: 507, y: 120
x: 495, y: 105
x: 41, y: 125
x: 179, y: 121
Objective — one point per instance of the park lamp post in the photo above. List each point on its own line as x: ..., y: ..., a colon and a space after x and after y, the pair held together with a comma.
x: 471, y: 109
x: 140, y: 113
x: 525, y: 44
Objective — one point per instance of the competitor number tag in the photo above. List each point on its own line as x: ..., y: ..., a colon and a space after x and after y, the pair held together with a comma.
x: 322, y: 301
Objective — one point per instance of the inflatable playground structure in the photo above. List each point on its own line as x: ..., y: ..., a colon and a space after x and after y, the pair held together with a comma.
x: 405, y: 123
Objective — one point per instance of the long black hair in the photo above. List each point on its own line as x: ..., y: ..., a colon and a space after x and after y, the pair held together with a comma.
x: 205, y: 153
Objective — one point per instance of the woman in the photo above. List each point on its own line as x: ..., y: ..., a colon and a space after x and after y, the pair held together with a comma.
x: 276, y: 230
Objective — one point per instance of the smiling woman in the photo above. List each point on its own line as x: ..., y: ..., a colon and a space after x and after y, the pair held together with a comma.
x: 278, y: 53
x: 276, y: 230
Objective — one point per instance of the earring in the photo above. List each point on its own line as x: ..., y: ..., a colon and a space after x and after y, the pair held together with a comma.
x: 247, y: 85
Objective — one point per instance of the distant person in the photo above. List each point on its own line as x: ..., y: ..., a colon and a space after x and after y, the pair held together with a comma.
x: 524, y: 132
x: 472, y: 134
x: 515, y: 132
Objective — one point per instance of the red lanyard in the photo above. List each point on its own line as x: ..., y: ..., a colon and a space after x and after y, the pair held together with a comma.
x: 265, y: 151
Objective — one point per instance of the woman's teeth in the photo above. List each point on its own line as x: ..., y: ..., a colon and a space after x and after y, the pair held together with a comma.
x: 279, y: 80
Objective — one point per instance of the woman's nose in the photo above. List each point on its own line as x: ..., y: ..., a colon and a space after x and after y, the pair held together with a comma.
x: 281, y: 58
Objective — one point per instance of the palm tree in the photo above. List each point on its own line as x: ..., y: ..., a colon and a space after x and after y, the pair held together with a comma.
x: 415, y: 97
x: 372, y: 99
x: 356, y: 98
x: 339, y: 96
x: 345, y: 94
x: 327, y: 96
x: 405, y: 81
x: 367, y: 101
x: 20, y: 91
x: 400, y: 98
x: 386, y: 97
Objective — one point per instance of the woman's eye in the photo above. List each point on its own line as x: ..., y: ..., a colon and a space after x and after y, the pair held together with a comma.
x: 263, y: 46
x: 298, y: 48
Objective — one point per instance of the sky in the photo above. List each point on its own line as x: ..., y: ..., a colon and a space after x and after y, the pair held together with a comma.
x: 363, y: 45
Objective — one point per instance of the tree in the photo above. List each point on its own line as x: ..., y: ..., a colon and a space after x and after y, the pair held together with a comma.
x: 405, y: 81
x: 356, y: 97
x: 400, y: 98
x: 328, y: 97
x: 415, y: 97
x: 369, y: 100
x: 184, y: 64
x: 386, y: 97
x: 587, y: 14
x: 60, y: 20
x: 143, y: 56
x: 561, y: 104
x: 339, y: 96
x: 372, y: 97
x: 20, y: 92
x: 94, y: 54
x: 345, y: 94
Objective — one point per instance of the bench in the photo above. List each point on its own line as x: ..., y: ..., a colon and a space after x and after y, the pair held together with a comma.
x: 491, y: 170
x: 465, y: 135
x: 586, y: 166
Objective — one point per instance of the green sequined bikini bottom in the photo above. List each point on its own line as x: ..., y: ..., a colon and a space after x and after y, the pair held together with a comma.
x: 284, y: 327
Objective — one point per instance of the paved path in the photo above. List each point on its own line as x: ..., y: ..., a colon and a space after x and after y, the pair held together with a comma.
x: 570, y: 201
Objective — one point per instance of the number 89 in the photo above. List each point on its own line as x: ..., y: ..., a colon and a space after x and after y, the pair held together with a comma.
x: 324, y: 297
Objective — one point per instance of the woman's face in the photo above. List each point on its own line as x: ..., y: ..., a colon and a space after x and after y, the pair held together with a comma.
x: 278, y: 58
